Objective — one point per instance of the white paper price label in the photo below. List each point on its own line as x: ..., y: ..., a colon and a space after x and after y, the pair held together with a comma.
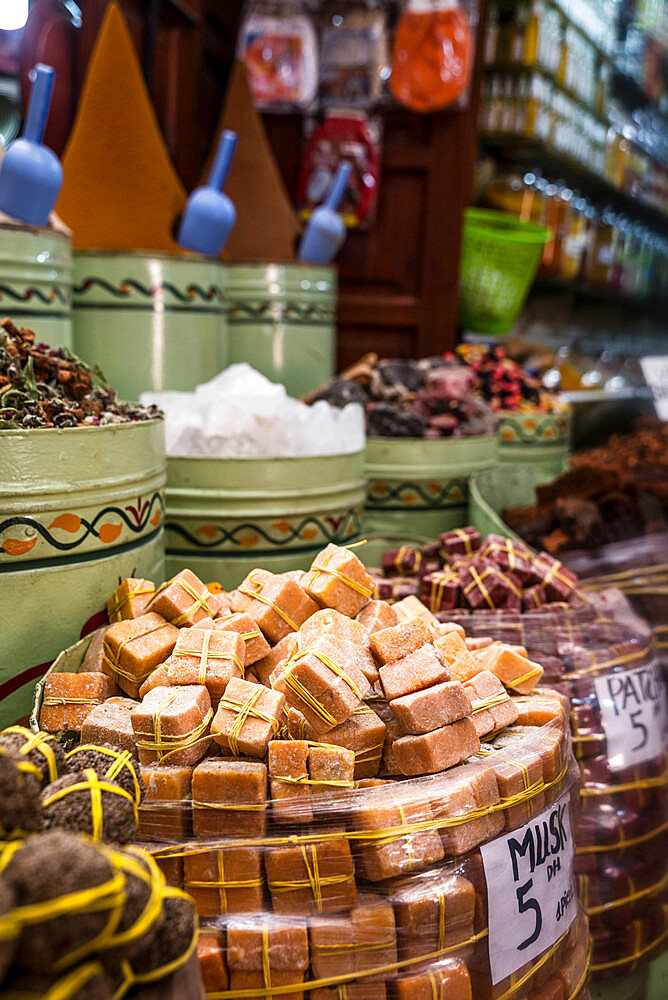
x: 530, y: 890
x: 633, y: 712
x: 655, y: 370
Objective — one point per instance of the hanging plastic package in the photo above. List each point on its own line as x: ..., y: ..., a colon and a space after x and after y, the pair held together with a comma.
x: 278, y: 45
x: 347, y: 136
x: 353, y: 54
x: 432, y: 60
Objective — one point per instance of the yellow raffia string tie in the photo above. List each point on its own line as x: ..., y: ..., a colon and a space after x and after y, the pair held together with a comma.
x: 399, y: 558
x: 245, y: 710
x: 305, y: 780
x: 318, y: 568
x: 534, y: 672
x: 116, y: 604
x: 247, y: 636
x: 95, y: 787
x: 53, y: 701
x: 658, y: 782
x: 243, y: 806
x: 466, y: 539
x: 113, y: 660
x: 155, y: 975
x: 257, y: 595
x: 554, y: 574
x: 121, y: 759
x: 623, y: 900
x: 607, y: 664
x: 441, y: 920
x: 156, y: 741
x: 38, y: 742
x: 623, y: 844
x: 199, y: 600
x: 299, y: 654
x: 369, y: 754
x: 633, y: 957
x: 205, y: 654
x: 309, y: 700
x: 491, y: 702
x: 266, y: 969
x: 477, y: 581
x: 335, y: 949
x: 339, y: 980
x: 154, y: 879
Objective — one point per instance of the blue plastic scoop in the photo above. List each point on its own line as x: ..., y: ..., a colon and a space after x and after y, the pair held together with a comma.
x: 209, y: 216
x: 31, y: 175
x: 326, y: 231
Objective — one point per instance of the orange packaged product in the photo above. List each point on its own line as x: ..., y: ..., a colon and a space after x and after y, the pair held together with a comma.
x: 288, y: 768
x: 363, y: 939
x: 461, y: 663
x: 432, y: 912
x: 255, y: 646
x: 397, y: 641
x: 207, y: 657
x: 312, y: 878
x: 473, y: 790
x: 164, y: 814
x: 364, y: 732
x: 183, y: 600
x: 130, y: 599
x: 211, y: 958
x: 449, y: 979
x: 224, y: 880
x: 275, y: 601
x: 338, y: 579
x: 435, y: 706
x: 437, y: 750
x: 133, y: 649
x: 376, y: 615
x: 412, y: 607
x: 490, y: 698
x: 171, y: 866
x: 229, y: 798
x: 172, y: 724
x: 330, y: 769
x: 277, y: 657
x: 157, y: 678
x: 70, y: 698
x: 348, y: 634
x: 387, y: 854
x: 247, y: 718
x: 110, y: 723
x: 414, y: 672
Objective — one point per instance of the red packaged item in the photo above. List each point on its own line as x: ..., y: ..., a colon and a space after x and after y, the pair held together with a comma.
x: 347, y: 136
x: 433, y: 53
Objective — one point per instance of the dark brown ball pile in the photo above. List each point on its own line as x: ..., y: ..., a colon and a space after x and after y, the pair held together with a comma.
x: 74, y: 811
x: 20, y: 808
x: 95, y: 985
x: 173, y: 937
x: 46, y: 868
x: 7, y: 946
x: 15, y: 743
x: 138, y: 894
x: 129, y: 776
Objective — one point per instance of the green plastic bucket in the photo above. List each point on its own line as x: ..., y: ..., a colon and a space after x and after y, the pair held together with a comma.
x: 282, y: 321
x: 499, y: 259
x: 493, y: 490
x: 150, y: 321
x: 80, y: 509
x: 36, y: 281
x: 540, y: 439
x: 419, y: 488
x: 226, y: 516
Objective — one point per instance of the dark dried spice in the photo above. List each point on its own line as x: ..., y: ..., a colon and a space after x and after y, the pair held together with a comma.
x: 41, y: 386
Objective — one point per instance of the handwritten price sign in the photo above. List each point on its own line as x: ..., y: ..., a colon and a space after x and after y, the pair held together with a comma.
x: 530, y: 891
x: 633, y: 712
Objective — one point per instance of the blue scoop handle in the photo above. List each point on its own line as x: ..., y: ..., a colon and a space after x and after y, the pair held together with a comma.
x: 40, y: 99
x: 223, y: 159
x: 338, y: 187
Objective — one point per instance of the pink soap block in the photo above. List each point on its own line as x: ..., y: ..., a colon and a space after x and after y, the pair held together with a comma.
x: 414, y: 672
x: 397, y: 641
x: 172, y: 725
x: 438, y: 750
x: 436, y: 706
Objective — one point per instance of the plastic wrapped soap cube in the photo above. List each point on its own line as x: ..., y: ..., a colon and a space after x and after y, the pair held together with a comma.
x: 68, y: 699
x: 224, y: 880
x: 331, y: 768
x: 337, y: 579
x: 172, y: 725
x: 488, y: 696
x: 450, y: 978
x: 288, y: 769
x: 281, y: 945
x: 514, y: 670
x: 133, y: 649
x: 183, y: 600
x: 130, y: 599
x: 229, y: 798
x: 275, y: 601
x: 164, y: 814
x: 312, y: 878
x: 387, y: 810
x: 211, y: 958
x: 428, y: 909
x: 247, y: 718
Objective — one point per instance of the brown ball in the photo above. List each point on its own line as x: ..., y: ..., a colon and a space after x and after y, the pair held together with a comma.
x: 143, y: 907
x: 84, y: 982
x: 20, y: 808
x: 41, y: 749
x: 109, y: 763
x: 7, y: 945
x: 174, y: 936
x: 46, y: 868
x: 70, y: 804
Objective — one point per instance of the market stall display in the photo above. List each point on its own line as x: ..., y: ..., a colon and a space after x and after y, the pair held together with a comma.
x: 81, y: 503
x: 387, y: 880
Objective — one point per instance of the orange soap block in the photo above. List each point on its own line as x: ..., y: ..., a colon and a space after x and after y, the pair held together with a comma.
x: 450, y: 980
x: 164, y: 813
x: 92, y: 661
x: 277, y: 603
x: 245, y: 981
x: 517, y: 772
x: 376, y: 615
x: 384, y: 809
x: 111, y: 724
x: 211, y: 958
x: 436, y: 706
x: 444, y: 628
x: 247, y: 718
x: 134, y: 648
x: 437, y: 750
x: 346, y: 633
x: 311, y: 878
x: 183, y: 600
x: 542, y: 709
x: 229, y: 798
x: 255, y: 645
x: 130, y: 599
x: 553, y: 989
x: 514, y: 670
x: 276, y: 658
x: 172, y: 724
x: 461, y: 664
x: 323, y: 684
x: 414, y: 672
x: 219, y: 603
x: 226, y: 880
x: 475, y: 644
x: 428, y: 908
x: 171, y: 867
x: 359, y: 941
x: 364, y: 990
x: 280, y: 945
x: 364, y: 732
x: 411, y: 607
x: 397, y: 641
x: 337, y: 579
x: 290, y: 800
x: 208, y: 657
x: 489, y: 696
x: 157, y: 678
x: 473, y: 790
x: 69, y: 698
x: 332, y: 768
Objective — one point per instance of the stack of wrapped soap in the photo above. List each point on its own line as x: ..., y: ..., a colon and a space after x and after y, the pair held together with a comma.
x: 313, y: 776
x: 462, y: 571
